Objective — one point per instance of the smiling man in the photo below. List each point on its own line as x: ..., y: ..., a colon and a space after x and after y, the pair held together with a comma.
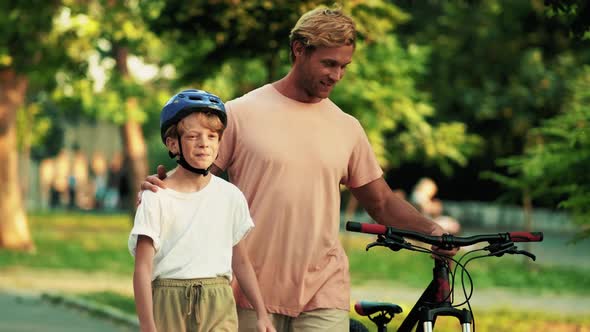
x: 288, y: 147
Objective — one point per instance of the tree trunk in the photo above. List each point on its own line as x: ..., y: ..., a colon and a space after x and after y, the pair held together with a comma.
x: 14, y: 228
x: 136, y: 159
x: 134, y: 146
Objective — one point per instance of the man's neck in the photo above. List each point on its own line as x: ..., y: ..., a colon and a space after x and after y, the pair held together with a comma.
x: 288, y: 87
x: 183, y: 180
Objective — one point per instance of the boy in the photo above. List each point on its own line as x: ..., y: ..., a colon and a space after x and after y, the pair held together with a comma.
x: 186, y: 238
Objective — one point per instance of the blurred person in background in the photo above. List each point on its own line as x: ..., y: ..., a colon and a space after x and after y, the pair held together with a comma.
x: 423, y: 198
x: 46, y: 178
x: 59, y: 188
x: 112, y: 198
x: 78, y: 180
x: 98, y: 167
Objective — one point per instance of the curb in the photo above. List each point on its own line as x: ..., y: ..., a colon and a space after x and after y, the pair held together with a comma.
x: 94, y: 308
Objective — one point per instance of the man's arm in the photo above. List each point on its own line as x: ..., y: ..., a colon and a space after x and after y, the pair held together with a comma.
x: 242, y: 268
x: 389, y: 209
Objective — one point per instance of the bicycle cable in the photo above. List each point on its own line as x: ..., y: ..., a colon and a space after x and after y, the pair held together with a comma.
x: 444, y: 259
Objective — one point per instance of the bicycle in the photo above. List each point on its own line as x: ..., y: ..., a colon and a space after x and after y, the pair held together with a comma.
x: 436, y: 300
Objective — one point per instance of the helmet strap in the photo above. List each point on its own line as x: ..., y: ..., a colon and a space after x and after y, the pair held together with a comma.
x: 182, y: 162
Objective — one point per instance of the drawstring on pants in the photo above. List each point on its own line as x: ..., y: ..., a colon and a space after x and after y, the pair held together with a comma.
x: 193, y: 292
x: 193, y: 289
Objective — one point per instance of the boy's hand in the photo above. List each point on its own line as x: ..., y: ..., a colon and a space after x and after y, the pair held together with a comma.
x: 152, y: 182
x: 264, y: 325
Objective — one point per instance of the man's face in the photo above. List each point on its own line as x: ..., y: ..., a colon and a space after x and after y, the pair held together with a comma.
x: 319, y: 71
x: 199, y: 143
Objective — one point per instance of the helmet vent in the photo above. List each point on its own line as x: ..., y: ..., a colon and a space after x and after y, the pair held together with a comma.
x: 195, y: 98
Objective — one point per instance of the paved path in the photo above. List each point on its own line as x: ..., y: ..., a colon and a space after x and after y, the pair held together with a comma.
x: 32, y: 313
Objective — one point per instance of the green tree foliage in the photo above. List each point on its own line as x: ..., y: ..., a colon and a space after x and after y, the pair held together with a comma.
x: 105, y: 30
x: 124, y: 82
x: 499, y: 66
x: 30, y: 46
x: 574, y: 13
x: 205, y: 34
x: 28, y: 57
x: 555, y: 165
x: 232, y: 50
x: 380, y: 90
x: 25, y: 39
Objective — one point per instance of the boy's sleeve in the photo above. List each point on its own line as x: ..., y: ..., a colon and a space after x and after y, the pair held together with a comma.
x: 147, y: 221
x: 242, y: 220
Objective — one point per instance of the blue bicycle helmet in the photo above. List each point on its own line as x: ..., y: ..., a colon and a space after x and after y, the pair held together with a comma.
x: 183, y: 104
x: 189, y: 101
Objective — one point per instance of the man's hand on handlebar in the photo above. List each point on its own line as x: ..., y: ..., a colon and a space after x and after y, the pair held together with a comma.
x: 439, y: 231
x: 152, y: 182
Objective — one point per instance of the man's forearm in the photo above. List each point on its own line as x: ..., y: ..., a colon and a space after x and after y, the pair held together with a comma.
x: 387, y: 208
x: 398, y: 213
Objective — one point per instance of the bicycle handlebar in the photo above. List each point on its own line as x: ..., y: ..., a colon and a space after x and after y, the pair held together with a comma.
x: 445, y: 241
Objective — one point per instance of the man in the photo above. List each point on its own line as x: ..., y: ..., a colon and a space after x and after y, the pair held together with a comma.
x: 288, y: 147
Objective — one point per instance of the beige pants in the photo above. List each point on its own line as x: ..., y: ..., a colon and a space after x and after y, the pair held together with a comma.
x: 195, y: 305
x: 325, y: 320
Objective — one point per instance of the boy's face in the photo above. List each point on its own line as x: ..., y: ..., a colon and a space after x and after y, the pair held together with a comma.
x: 199, y: 143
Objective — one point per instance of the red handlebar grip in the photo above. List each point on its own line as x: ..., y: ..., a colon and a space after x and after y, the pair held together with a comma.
x: 526, y: 236
x: 362, y: 227
x: 373, y: 228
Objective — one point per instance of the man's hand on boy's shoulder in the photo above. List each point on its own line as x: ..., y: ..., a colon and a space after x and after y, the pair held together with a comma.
x: 153, y: 182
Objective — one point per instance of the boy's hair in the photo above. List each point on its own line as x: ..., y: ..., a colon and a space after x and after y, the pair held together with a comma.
x: 323, y: 27
x: 208, y: 120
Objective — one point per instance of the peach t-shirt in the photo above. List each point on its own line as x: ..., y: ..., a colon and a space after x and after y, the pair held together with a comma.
x: 289, y: 159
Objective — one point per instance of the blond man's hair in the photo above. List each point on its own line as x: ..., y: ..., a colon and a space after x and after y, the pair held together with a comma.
x: 323, y: 27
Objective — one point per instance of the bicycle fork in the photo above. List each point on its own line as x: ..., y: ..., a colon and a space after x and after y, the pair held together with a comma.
x: 463, y: 315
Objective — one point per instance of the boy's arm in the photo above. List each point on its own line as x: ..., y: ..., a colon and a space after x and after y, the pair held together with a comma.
x: 142, y: 283
x: 242, y: 268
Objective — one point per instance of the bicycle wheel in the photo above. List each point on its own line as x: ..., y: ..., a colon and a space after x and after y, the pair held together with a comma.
x: 356, y: 326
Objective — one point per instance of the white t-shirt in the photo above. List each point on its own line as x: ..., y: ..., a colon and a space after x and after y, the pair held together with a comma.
x: 193, y: 233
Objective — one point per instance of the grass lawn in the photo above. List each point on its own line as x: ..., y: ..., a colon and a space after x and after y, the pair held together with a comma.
x: 98, y: 243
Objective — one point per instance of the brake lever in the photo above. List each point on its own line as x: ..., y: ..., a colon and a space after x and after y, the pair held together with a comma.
x: 507, y: 248
x: 395, y: 245
x: 374, y: 244
x: 499, y: 249
x: 526, y: 253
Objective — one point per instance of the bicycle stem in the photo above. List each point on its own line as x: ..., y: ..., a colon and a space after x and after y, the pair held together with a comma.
x: 441, y: 276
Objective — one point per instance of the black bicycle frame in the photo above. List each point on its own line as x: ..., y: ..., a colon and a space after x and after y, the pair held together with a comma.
x: 434, y: 302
